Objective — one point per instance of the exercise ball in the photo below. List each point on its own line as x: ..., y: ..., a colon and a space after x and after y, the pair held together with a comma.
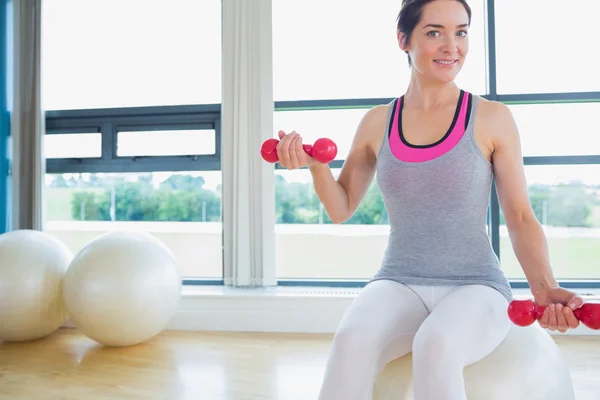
x: 32, y: 266
x: 527, y: 365
x: 122, y: 288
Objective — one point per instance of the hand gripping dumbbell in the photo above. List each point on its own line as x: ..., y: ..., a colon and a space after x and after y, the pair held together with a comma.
x: 526, y: 312
x: 323, y: 150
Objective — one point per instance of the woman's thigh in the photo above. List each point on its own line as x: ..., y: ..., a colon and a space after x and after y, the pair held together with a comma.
x: 467, y: 324
x: 385, y: 315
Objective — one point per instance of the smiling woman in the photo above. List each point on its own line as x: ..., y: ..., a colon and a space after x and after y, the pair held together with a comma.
x: 411, y: 18
x: 435, y: 151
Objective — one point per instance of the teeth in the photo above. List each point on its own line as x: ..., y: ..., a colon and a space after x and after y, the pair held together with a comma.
x: 444, y: 62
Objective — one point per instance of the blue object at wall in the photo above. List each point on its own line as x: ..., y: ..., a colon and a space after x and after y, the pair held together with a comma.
x: 5, y: 79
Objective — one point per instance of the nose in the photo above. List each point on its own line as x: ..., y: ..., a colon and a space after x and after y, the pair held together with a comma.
x: 450, y: 45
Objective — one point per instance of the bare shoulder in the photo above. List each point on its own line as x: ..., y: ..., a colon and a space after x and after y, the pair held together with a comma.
x: 371, y: 127
x: 495, y: 123
x: 494, y: 111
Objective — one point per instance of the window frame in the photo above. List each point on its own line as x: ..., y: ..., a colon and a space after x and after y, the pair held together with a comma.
x: 494, y: 208
x: 492, y: 94
x: 107, y: 121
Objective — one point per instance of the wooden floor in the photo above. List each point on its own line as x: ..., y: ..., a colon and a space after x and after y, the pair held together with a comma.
x: 199, y: 366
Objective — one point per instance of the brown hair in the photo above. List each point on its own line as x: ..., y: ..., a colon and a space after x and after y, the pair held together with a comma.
x: 410, y: 15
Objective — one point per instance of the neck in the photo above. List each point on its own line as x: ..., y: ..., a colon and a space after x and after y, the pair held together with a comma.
x: 428, y: 94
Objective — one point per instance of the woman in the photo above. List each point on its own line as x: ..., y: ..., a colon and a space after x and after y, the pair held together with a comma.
x: 439, y: 292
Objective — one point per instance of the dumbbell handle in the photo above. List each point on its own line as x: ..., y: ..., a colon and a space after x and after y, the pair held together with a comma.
x: 526, y: 312
x: 323, y: 150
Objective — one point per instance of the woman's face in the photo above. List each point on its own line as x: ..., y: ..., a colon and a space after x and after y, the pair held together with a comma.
x: 439, y: 43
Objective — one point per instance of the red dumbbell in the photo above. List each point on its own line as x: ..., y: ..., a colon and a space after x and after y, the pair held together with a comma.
x: 324, y: 150
x: 526, y: 312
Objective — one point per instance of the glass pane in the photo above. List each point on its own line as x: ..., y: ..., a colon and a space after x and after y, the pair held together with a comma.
x: 347, y: 50
x: 566, y: 200
x: 558, y: 129
x: 540, y: 54
x: 338, y: 125
x: 166, y: 143
x: 181, y: 209
x: 309, y: 246
x: 114, y: 53
x: 73, y: 145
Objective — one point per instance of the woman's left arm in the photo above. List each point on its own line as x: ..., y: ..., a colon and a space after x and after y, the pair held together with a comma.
x: 526, y: 234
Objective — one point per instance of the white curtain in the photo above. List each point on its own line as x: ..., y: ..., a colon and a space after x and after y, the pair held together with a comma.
x: 27, y: 118
x: 247, y: 120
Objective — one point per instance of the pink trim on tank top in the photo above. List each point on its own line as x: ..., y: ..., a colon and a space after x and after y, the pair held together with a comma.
x: 421, y: 154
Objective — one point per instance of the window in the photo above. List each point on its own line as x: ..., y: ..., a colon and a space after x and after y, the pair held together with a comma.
x: 166, y: 142
x: 152, y: 169
x: 309, y: 246
x: 345, y: 50
x: 558, y: 129
x: 566, y: 201
x: 546, y: 47
x: 338, y: 125
x: 182, y: 209
x: 112, y: 53
x: 134, y: 140
x: 151, y: 159
x: 73, y: 145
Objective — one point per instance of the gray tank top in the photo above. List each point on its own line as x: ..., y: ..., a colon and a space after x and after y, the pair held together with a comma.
x: 437, y: 198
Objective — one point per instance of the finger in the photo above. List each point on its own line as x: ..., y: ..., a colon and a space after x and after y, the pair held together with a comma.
x: 291, y: 151
x: 302, y: 155
x: 562, y: 324
x: 545, y: 317
x: 283, y: 151
x: 279, y: 150
x: 293, y: 164
x: 570, y: 317
x: 281, y: 134
x: 295, y: 149
x: 552, y: 319
x: 575, y: 303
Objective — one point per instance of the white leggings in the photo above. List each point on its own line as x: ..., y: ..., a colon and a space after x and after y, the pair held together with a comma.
x: 446, y: 328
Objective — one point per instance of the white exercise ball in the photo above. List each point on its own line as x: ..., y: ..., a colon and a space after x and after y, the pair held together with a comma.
x: 527, y: 365
x: 122, y: 288
x: 32, y: 266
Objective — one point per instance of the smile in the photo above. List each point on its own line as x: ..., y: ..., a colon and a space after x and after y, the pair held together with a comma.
x: 445, y: 62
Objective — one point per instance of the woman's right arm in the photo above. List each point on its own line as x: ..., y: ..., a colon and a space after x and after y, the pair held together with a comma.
x: 341, y: 198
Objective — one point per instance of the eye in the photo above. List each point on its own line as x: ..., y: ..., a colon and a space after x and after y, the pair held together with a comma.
x: 462, y: 33
x: 433, y: 33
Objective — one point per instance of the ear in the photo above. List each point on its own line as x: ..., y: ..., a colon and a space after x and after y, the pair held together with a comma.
x: 402, y: 42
